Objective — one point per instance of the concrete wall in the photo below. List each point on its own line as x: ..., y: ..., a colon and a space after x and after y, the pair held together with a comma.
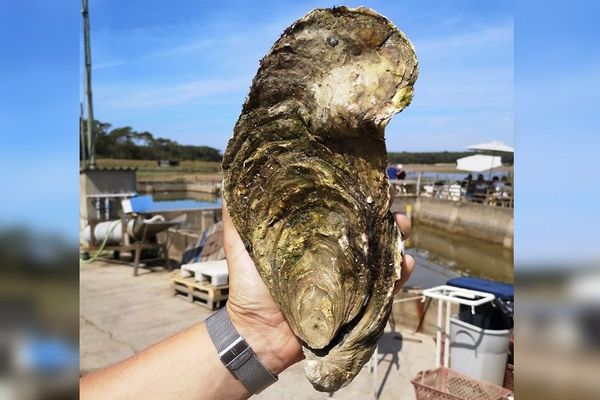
x: 103, y: 181
x: 197, y: 220
x: 188, y: 233
x: 489, y: 223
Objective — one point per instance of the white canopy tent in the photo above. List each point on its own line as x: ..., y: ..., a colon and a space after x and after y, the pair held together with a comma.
x: 493, y: 146
x: 478, y: 163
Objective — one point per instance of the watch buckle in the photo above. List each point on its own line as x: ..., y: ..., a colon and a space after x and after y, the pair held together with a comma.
x: 236, y: 354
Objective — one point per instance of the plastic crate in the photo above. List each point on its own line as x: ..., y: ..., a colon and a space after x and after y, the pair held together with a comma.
x: 446, y: 384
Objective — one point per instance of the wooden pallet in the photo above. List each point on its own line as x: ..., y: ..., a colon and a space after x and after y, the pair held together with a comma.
x: 205, y: 294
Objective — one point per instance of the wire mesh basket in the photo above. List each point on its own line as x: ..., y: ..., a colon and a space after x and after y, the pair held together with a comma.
x: 446, y: 384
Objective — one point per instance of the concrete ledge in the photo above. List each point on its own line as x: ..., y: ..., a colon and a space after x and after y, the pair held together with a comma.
x: 493, y: 224
x: 489, y: 223
x: 188, y: 234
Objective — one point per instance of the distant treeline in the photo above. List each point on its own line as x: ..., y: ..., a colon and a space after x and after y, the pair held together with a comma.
x: 126, y: 143
x: 439, y: 157
x: 27, y: 253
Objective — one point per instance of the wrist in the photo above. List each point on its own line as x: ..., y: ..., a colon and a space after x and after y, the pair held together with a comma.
x: 272, y: 341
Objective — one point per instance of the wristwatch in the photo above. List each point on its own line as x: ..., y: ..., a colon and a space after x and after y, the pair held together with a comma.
x: 237, y: 355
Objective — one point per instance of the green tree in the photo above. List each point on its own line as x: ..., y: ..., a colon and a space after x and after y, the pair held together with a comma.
x: 125, y: 142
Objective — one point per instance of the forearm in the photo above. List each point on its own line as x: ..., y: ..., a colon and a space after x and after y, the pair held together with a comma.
x: 184, y: 366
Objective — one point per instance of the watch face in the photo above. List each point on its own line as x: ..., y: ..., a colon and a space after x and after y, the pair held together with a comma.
x: 236, y: 354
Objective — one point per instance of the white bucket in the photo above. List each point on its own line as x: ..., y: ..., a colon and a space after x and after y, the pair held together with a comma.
x: 480, y: 353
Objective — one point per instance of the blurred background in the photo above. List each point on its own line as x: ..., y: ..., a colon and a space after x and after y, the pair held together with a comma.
x: 39, y: 263
x: 557, y: 255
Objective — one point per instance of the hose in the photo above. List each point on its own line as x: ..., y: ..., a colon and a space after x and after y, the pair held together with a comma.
x: 129, y: 229
x: 131, y: 226
x: 108, y: 233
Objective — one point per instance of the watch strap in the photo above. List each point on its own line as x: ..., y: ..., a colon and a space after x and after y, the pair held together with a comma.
x: 236, y: 354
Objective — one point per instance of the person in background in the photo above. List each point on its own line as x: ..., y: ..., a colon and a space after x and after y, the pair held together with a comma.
x: 480, y: 189
x: 469, y: 187
x: 400, y: 172
x: 505, y: 193
x: 496, y: 185
x: 465, y: 182
x: 391, y: 171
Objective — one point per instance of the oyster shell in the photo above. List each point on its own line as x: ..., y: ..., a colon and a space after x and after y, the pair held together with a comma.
x: 305, y: 185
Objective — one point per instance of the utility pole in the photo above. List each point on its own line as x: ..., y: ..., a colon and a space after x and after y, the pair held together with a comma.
x: 91, y: 138
x: 82, y: 141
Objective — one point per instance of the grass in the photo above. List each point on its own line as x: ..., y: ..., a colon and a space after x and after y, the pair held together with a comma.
x: 149, y: 169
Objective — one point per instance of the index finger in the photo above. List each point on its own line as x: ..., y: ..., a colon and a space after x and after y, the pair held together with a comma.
x: 403, y: 223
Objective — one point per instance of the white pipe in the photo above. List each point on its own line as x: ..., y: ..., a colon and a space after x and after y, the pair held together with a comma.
x: 135, y: 226
x: 449, y: 293
x: 438, y: 335
x: 447, y: 336
x: 102, y: 230
x: 116, y: 234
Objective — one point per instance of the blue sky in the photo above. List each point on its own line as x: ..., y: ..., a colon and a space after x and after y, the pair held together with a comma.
x: 182, y: 69
x: 557, y: 83
x: 39, y: 67
x: 465, y: 50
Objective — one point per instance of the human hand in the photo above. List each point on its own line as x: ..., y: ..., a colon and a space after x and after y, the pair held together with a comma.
x: 253, y: 311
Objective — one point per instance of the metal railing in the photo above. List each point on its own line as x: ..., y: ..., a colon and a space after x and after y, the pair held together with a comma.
x: 452, y: 191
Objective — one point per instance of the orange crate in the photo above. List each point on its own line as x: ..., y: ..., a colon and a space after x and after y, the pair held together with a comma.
x: 446, y: 384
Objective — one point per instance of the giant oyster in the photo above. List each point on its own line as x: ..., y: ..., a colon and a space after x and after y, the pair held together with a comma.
x: 305, y: 186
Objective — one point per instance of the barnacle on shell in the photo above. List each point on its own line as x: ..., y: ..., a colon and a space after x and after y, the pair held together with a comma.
x: 305, y: 185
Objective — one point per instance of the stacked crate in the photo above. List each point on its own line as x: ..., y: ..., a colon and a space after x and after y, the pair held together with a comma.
x: 204, y: 283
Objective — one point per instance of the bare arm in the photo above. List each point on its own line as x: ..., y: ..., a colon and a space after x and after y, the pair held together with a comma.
x: 186, y: 365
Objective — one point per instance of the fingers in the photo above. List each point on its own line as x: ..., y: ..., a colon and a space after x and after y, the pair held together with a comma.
x: 232, y: 238
x: 234, y: 246
x: 403, y: 223
x: 408, y: 266
x: 408, y: 262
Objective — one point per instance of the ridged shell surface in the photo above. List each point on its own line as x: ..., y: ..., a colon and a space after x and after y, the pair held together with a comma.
x: 304, y: 182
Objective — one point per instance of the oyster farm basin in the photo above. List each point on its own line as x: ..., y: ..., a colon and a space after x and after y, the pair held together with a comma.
x: 448, y: 239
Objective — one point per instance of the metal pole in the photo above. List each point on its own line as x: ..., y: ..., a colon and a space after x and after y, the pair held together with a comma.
x: 418, y: 184
x: 438, y: 334
x: 82, y: 136
x: 91, y: 139
x: 491, y: 166
x: 447, y: 336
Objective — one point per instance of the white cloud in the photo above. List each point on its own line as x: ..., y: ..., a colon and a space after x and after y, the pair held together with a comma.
x: 470, y: 69
x: 164, y: 95
x: 107, y: 64
x: 468, y: 42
